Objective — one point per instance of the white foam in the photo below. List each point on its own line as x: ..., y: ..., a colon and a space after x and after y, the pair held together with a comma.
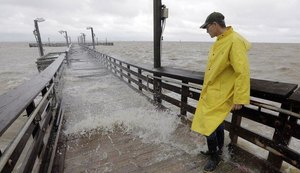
x: 106, y: 102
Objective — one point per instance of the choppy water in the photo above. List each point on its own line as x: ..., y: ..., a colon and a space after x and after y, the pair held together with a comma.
x: 17, y: 63
x: 277, y: 62
x: 269, y: 61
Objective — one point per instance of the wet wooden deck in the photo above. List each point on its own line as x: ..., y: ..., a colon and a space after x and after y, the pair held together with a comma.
x: 121, y: 152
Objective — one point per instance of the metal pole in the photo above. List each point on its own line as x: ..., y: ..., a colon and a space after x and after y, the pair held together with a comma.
x: 156, y: 41
x: 93, y: 38
x: 83, y: 38
x: 67, y: 38
x: 157, y: 32
x: 39, y: 41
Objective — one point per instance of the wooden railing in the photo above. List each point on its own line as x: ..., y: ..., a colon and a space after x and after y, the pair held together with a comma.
x: 38, y: 99
x: 273, y: 104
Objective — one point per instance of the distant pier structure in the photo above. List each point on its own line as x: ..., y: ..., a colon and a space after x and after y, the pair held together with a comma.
x: 48, y: 44
x: 101, y: 43
x: 64, y: 44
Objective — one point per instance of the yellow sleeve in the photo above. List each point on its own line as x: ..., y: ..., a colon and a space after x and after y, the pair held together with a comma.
x: 239, y: 62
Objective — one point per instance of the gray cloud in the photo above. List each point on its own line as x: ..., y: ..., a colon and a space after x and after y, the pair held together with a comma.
x: 257, y: 20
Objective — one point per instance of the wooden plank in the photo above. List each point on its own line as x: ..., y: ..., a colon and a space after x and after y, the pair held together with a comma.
x: 260, y: 117
x: 276, y: 91
x: 123, y: 153
x: 191, y: 76
x: 170, y: 87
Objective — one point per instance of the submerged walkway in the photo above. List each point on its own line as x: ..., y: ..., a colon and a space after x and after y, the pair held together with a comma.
x: 93, y: 141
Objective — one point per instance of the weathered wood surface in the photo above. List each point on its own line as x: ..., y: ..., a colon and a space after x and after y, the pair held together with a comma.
x: 276, y: 91
x: 120, y: 152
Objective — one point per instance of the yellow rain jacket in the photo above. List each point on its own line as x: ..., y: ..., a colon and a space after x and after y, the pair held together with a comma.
x: 226, y: 81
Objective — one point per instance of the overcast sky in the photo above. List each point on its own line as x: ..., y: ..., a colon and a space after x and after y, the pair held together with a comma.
x: 132, y: 20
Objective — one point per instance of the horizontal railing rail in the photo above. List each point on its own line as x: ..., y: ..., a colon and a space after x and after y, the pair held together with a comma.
x: 273, y: 104
x: 38, y: 99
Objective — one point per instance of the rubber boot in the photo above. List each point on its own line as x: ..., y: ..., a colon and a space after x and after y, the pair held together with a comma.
x: 208, y: 153
x: 212, y: 163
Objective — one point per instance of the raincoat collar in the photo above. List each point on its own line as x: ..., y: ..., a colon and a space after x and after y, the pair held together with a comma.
x: 228, y: 31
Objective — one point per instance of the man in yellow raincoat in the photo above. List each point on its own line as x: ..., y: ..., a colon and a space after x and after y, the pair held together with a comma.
x: 226, y: 85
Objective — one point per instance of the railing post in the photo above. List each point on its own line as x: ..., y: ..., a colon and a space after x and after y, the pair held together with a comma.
x: 280, y: 136
x: 105, y: 60
x: 115, y: 67
x: 140, y: 80
x: 110, y: 63
x: 121, y: 70
x: 128, y: 67
x: 184, y: 97
x: 235, y: 122
x: 30, y: 108
x: 157, y: 89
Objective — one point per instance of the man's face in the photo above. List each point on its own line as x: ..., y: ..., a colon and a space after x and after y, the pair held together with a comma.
x: 211, y: 29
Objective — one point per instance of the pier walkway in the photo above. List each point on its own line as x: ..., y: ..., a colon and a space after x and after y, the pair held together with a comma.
x: 93, y: 141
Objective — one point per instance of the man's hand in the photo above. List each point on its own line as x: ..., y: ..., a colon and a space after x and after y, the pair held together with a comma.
x: 236, y: 107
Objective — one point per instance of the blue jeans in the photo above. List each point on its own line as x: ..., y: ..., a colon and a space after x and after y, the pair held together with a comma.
x: 215, y: 141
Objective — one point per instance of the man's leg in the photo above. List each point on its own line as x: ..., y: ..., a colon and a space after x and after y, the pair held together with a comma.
x: 220, y: 137
x: 219, y: 133
x: 212, y: 144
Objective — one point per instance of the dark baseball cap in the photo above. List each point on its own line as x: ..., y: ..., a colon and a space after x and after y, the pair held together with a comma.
x: 213, y: 17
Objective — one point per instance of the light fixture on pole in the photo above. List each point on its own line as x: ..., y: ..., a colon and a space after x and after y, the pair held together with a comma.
x: 37, y: 35
x: 66, y: 36
x: 92, y: 32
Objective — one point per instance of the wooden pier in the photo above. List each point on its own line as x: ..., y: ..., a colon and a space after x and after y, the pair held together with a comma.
x: 42, y: 147
x: 65, y: 45
x: 49, y: 45
x: 119, y: 151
